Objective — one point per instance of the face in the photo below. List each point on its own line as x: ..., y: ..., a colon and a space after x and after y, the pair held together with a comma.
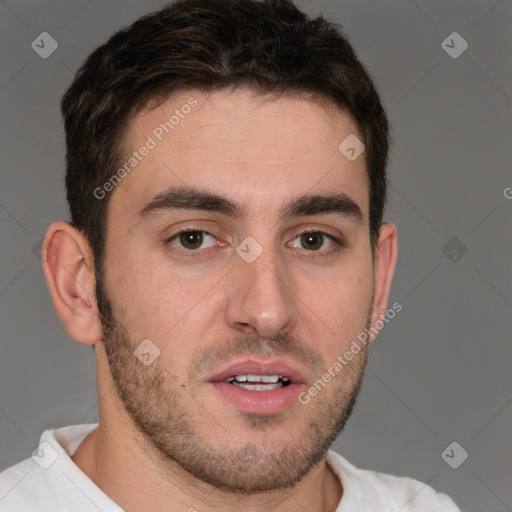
x: 238, y: 244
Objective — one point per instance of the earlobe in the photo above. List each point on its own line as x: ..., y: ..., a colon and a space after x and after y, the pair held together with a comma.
x: 385, y: 261
x: 68, y: 265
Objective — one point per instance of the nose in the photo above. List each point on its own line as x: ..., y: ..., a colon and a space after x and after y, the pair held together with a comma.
x: 261, y: 299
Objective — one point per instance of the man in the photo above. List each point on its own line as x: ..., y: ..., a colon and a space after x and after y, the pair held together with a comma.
x: 228, y: 262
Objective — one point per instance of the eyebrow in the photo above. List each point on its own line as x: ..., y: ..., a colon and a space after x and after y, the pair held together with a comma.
x: 193, y: 198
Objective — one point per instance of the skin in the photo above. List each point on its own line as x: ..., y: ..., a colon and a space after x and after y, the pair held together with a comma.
x: 215, y: 308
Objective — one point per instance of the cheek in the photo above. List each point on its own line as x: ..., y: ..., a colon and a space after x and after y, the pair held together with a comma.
x: 338, y: 309
x: 155, y: 301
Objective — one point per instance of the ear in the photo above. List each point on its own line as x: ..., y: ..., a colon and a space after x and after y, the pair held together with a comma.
x: 384, y: 267
x: 68, y: 265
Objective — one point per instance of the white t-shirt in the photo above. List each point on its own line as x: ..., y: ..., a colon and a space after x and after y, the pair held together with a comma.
x: 50, y: 481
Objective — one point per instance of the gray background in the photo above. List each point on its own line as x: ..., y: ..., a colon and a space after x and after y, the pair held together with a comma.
x: 441, y: 370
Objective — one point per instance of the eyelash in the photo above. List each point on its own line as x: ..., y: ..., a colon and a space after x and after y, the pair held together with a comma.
x: 194, y: 253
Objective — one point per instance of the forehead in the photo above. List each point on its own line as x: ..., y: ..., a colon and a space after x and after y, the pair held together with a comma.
x: 261, y: 150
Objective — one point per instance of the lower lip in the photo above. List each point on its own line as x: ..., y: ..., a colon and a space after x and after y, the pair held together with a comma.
x: 259, y: 402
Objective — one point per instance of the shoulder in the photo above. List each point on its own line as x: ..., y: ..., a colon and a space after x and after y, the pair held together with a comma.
x: 49, y: 480
x: 23, y: 487
x: 388, y: 492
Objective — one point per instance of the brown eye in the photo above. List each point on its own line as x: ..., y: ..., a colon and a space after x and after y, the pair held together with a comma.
x: 191, y: 239
x: 312, y: 241
x: 318, y: 243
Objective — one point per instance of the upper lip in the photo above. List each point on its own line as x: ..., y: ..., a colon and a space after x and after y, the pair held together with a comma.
x: 260, y: 367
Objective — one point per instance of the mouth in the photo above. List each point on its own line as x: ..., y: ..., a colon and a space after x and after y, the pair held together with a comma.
x: 258, y: 387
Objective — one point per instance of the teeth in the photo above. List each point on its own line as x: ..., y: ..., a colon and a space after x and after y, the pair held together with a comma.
x: 259, y: 382
x: 262, y: 378
x: 258, y: 378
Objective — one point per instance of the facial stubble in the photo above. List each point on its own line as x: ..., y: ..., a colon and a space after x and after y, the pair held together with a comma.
x: 175, y: 424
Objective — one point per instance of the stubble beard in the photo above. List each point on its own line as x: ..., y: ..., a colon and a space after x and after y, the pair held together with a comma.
x: 173, y: 423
